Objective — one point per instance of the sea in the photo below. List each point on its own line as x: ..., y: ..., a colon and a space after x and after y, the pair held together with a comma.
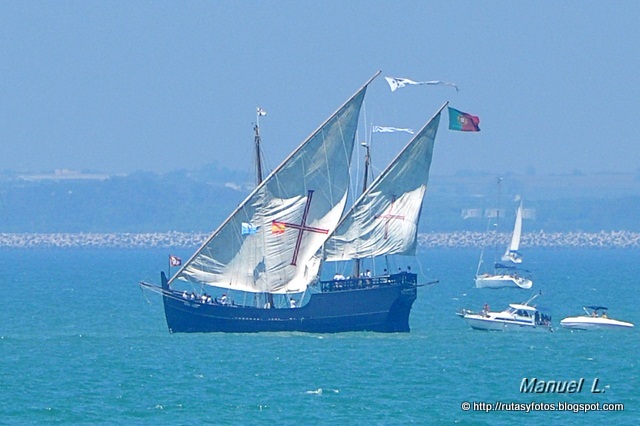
x: 81, y: 343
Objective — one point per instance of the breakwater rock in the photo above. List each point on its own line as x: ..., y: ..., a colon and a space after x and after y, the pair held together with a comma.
x: 603, y: 239
x: 108, y: 240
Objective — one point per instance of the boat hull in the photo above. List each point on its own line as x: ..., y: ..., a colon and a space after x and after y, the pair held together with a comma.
x: 590, y: 323
x: 502, y: 281
x: 381, y: 309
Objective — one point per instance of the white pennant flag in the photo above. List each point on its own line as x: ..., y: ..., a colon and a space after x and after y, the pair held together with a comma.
x: 385, y: 129
x: 260, y: 111
x: 396, y: 83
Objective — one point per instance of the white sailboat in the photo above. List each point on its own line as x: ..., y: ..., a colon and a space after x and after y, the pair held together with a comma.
x: 506, y: 274
x: 512, y: 254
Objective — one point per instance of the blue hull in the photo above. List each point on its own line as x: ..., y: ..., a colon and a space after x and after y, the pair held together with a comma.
x: 383, y: 308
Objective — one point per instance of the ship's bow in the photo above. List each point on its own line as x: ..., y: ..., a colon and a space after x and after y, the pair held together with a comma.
x: 398, y: 316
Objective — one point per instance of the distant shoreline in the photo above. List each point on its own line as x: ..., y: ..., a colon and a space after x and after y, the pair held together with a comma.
x: 462, y: 239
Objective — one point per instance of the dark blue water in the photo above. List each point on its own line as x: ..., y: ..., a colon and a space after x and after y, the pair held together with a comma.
x: 80, y: 343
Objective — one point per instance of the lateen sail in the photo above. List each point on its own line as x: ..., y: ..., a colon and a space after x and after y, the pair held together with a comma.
x: 384, y: 220
x: 512, y: 254
x: 290, y: 216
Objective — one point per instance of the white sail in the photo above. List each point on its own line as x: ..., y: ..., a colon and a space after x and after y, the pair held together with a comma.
x: 384, y: 220
x: 512, y: 254
x: 286, y: 218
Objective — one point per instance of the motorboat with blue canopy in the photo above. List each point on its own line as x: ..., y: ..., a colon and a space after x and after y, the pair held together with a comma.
x: 596, y: 318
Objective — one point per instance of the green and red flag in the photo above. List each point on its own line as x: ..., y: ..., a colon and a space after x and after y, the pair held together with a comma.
x: 462, y: 121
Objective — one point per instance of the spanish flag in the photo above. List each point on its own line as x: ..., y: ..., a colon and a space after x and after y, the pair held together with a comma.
x: 278, y: 227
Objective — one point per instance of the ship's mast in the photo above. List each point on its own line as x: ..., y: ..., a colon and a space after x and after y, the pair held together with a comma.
x: 256, y: 129
x: 257, y: 140
x: 367, y: 162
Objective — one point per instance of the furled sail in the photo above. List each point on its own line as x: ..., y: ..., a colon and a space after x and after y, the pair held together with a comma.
x: 384, y: 220
x: 267, y: 243
x: 512, y: 254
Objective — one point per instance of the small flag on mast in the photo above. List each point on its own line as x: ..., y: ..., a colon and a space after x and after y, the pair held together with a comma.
x: 260, y: 111
x: 396, y: 83
x: 174, y: 260
x: 385, y: 129
x: 248, y: 228
x: 278, y: 227
x: 462, y: 121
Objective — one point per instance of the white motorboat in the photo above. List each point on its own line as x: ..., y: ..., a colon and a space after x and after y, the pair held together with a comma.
x: 594, y: 320
x: 517, y: 317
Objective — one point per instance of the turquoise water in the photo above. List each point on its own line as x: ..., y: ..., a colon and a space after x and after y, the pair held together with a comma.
x: 80, y: 343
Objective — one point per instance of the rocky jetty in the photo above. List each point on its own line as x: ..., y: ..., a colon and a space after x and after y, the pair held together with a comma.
x: 109, y: 240
x: 603, y: 239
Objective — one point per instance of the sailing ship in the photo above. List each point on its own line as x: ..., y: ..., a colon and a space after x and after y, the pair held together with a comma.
x: 505, y: 273
x: 260, y: 270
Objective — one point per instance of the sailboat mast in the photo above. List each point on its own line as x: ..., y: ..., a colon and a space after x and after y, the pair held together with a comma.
x: 496, y: 253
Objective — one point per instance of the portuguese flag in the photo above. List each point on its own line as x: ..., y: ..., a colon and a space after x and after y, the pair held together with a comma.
x: 462, y: 121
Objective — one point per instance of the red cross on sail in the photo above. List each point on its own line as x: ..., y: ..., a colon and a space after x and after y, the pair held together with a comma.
x: 278, y: 227
x: 389, y: 217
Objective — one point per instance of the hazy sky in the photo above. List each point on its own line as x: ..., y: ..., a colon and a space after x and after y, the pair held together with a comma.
x: 131, y: 86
